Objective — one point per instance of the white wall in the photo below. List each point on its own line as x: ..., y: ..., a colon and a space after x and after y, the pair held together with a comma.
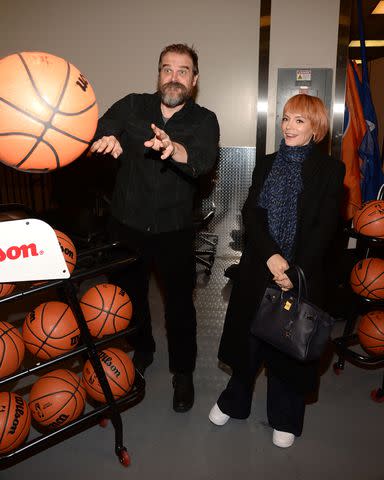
x: 116, y: 44
x: 304, y: 35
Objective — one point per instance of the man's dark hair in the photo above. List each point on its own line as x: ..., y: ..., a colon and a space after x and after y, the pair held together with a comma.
x: 181, y: 48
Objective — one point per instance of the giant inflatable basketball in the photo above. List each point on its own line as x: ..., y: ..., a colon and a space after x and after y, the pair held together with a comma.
x: 48, y: 111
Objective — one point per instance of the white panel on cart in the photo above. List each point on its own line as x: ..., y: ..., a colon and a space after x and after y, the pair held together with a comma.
x: 29, y: 250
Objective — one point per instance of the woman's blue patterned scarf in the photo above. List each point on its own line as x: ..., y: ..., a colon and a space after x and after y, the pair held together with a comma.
x: 280, y: 192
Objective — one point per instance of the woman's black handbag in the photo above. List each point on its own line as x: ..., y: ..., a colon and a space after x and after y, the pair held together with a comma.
x: 292, y: 324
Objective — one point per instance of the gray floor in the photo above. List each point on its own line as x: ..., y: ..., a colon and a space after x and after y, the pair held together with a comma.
x: 342, y: 437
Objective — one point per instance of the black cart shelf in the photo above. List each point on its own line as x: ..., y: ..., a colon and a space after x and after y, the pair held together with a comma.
x: 345, y: 345
x: 91, y: 262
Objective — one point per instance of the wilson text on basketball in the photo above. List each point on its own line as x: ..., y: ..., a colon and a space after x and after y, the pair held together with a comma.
x: 18, y: 413
x: 108, y: 361
x: 59, y: 421
x: 82, y: 82
x: 66, y: 251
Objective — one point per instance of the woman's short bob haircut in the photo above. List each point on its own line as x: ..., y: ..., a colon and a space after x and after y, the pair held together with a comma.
x: 312, y: 108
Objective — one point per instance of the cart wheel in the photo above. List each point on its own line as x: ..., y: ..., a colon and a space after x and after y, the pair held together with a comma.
x: 124, y: 457
x: 337, y: 368
x: 104, y: 422
x: 377, y: 395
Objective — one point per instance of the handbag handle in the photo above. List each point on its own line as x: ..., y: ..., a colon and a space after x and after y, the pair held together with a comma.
x: 302, y: 282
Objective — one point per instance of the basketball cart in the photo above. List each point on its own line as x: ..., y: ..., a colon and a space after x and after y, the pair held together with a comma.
x: 346, y: 345
x: 91, y: 262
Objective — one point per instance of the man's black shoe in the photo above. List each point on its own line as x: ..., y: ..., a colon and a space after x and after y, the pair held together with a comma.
x: 142, y: 360
x: 184, y: 393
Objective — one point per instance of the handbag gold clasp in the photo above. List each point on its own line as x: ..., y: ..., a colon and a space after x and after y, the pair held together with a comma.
x: 287, y: 305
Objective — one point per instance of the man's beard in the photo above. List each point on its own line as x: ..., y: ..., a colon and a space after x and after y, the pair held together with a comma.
x: 172, y: 98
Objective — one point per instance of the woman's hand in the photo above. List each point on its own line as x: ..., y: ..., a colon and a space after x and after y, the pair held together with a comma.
x: 277, y: 266
x: 284, y: 284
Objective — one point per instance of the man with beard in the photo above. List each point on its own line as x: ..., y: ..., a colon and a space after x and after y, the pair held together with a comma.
x: 164, y: 142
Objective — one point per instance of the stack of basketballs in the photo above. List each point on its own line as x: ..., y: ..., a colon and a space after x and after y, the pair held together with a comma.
x: 367, y: 277
x: 48, y: 117
x: 50, y: 330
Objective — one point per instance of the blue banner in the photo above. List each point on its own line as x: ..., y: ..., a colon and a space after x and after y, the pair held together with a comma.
x: 371, y: 168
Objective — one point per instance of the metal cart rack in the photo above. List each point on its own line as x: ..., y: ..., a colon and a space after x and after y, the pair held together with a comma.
x: 91, y: 262
x: 345, y: 344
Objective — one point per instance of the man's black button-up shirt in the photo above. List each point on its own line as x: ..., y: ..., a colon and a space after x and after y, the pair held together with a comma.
x: 151, y: 194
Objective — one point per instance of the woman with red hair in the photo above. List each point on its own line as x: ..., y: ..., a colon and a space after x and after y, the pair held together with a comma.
x: 290, y: 216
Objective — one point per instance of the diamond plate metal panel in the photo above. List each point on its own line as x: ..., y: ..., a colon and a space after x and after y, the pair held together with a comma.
x: 233, y: 179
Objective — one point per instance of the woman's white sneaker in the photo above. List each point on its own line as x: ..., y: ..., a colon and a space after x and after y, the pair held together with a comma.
x: 282, y: 439
x: 217, y: 417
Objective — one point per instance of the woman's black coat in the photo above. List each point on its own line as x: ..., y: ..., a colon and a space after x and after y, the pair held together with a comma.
x: 318, y: 213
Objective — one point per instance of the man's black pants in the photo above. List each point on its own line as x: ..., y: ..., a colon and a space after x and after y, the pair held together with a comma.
x: 171, y: 254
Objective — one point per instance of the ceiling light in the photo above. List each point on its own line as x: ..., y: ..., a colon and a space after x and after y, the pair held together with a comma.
x: 368, y: 43
x: 379, y: 9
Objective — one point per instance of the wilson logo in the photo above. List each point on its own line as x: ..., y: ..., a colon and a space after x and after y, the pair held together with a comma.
x: 15, y: 252
x: 66, y: 251
x: 19, y: 412
x: 59, y: 421
x: 108, y: 361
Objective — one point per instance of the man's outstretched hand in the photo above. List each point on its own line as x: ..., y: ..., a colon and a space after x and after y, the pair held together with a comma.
x: 106, y: 145
x: 161, y: 143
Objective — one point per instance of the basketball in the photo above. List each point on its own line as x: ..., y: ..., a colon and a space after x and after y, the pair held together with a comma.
x: 6, y: 289
x: 369, y: 219
x: 367, y: 278
x: 11, y: 349
x: 107, y: 309
x: 371, y: 332
x: 68, y: 249
x: 48, y: 112
x: 57, y: 398
x: 119, y: 370
x: 50, y: 330
x: 15, y: 421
